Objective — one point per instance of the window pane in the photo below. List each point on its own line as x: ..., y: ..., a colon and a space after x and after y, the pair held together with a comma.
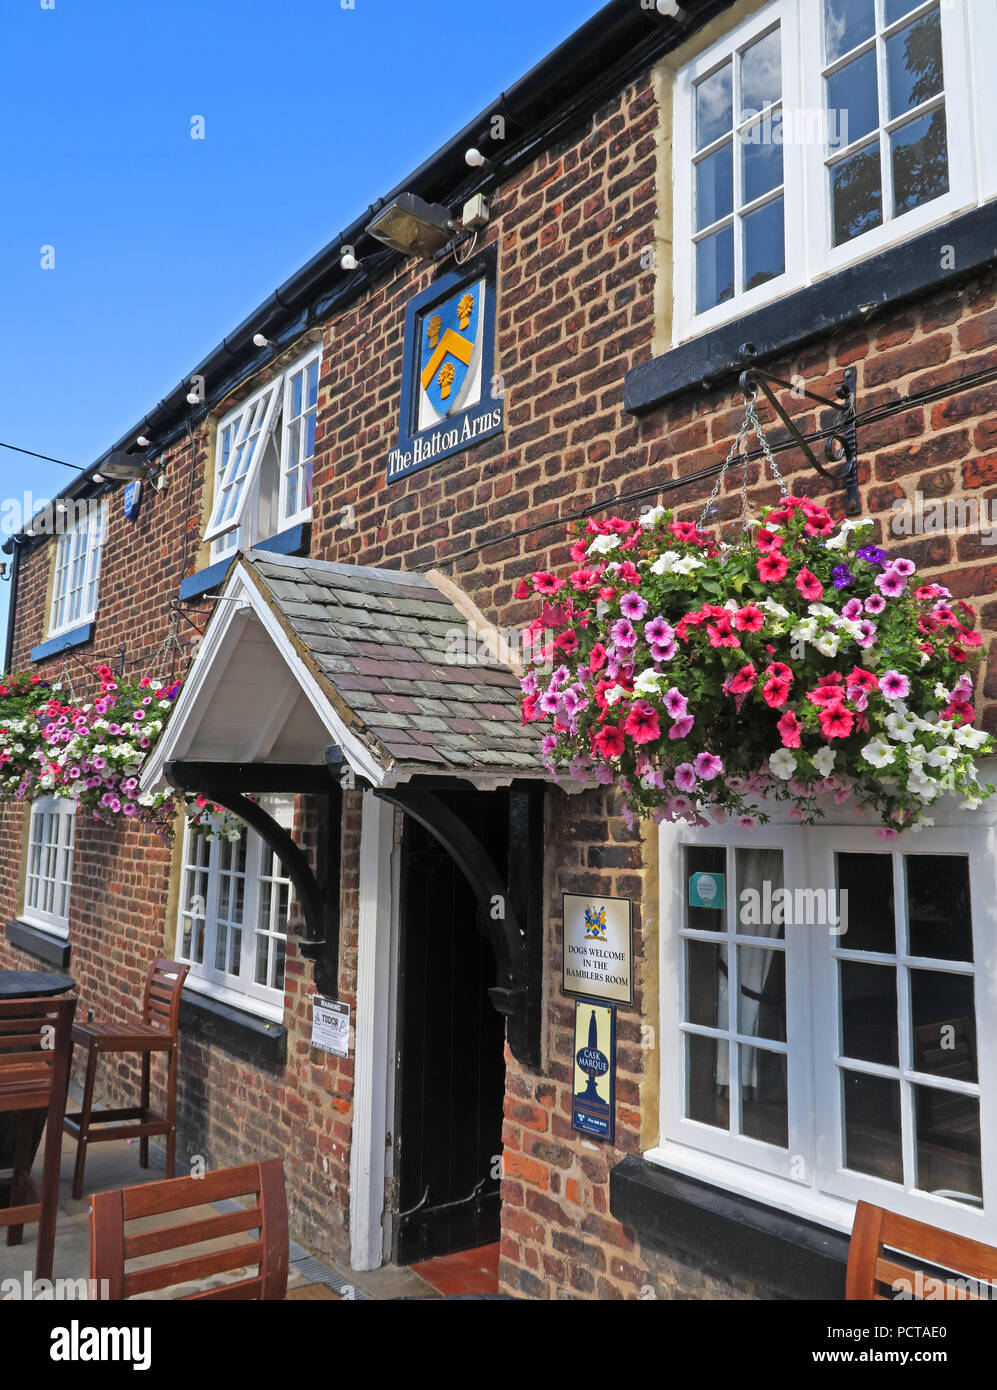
x: 869, y: 1012
x: 761, y: 163
x: 761, y: 74
x: 852, y: 94
x: 709, y: 1095
x: 856, y: 194
x: 715, y: 269
x: 764, y: 244
x: 943, y: 1019
x: 914, y: 64
x: 764, y: 1104
x: 704, y: 859
x: 948, y: 1143
x: 868, y: 881
x: 872, y: 1125
x: 759, y: 878
x: 715, y: 187
x: 706, y: 984
x: 714, y: 107
x: 896, y: 9
x: 938, y: 910
x: 919, y: 151
x: 761, y: 994
x: 847, y: 23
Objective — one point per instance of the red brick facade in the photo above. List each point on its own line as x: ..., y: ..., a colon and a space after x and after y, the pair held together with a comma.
x: 575, y: 312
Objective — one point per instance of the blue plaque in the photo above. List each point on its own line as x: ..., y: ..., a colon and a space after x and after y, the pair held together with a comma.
x: 593, y: 1102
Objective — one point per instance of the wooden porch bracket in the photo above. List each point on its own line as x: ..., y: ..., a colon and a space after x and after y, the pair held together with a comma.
x: 228, y: 784
x: 510, y: 903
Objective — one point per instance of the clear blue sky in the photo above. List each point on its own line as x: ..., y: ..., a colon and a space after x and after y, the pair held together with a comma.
x: 162, y: 244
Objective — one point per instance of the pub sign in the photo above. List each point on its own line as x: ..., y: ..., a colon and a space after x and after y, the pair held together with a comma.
x: 451, y: 399
x: 597, y: 956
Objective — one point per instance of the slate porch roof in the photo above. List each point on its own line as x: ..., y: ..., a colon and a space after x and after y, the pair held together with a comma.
x: 376, y: 640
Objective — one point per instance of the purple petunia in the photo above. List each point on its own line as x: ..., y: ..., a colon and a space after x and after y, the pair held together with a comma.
x: 633, y: 606
x: 841, y: 577
x: 871, y: 554
x: 658, y: 632
x: 891, y: 583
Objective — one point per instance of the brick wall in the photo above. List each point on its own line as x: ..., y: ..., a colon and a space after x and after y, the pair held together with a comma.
x: 576, y: 310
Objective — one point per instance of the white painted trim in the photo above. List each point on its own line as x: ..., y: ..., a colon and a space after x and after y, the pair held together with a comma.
x: 224, y: 629
x: 372, y: 1054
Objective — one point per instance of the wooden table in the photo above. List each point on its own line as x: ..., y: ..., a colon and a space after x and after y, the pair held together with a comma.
x: 27, y: 984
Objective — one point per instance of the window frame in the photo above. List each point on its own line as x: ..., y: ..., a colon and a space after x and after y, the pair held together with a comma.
x: 241, y: 991
x: 228, y: 530
x: 92, y: 528
x: 810, y: 257
x: 64, y: 851
x: 826, y: 259
x: 809, y: 1179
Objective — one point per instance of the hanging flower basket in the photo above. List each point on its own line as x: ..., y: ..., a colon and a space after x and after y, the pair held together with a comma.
x: 800, y: 664
x: 91, y: 753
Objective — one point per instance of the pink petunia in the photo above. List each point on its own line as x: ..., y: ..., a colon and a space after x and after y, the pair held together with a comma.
x: 894, y: 685
x: 707, y: 766
x: 675, y: 703
x: 789, y: 730
x: 632, y: 606
x: 809, y: 585
x: 682, y: 727
x: 685, y: 777
x: 642, y: 722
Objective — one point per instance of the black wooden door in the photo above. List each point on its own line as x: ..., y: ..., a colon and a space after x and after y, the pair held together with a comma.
x: 450, y: 1079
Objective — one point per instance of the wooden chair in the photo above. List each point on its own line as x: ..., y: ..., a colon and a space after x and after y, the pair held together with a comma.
x: 886, y: 1248
x: 155, y: 1031
x: 35, y: 1048
x: 111, y: 1246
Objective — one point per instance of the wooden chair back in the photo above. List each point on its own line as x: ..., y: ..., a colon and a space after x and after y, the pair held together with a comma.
x: 909, y: 1257
x: 163, y: 987
x: 111, y: 1246
x: 35, y: 1047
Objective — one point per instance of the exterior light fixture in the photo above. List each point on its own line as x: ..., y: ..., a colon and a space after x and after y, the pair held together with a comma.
x: 348, y: 260
x: 260, y: 340
x: 193, y: 398
x: 97, y: 477
x: 670, y: 9
x: 122, y: 467
x: 412, y: 226
x: 475, y: 158
x: 142, y: 442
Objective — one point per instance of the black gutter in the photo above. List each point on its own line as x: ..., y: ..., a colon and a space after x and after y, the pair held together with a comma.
x: 12, y: 547
x: 617, y: 44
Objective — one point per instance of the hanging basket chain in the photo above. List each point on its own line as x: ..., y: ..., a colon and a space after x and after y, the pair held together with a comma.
x: 170, y: 644
x: 66, y: 679
x: 750, y: 423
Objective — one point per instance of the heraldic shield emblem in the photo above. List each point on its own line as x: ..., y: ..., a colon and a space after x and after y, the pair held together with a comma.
x: 450, y: 355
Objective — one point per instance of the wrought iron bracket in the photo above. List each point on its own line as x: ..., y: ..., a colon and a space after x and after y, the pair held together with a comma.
x: 515, y: 927
x: 840, y: 439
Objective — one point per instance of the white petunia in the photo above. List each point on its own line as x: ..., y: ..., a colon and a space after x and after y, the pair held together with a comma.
x: 776, y: 609
x: 782, y: 763
x: 805, y: 631
x: 687, y: 565
x: 820, y: 610
x: 878, y: 752
x: 900, y: 728
x: 648, y: 681
x: 665, y: 561
x: 828, y: 643
x: 967, y: 737
x: 613, y: 694
x: 602, y: 545
x: 824, y: 761
x: 653, y: 516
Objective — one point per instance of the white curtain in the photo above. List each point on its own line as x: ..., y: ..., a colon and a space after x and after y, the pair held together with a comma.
x: 753, y: 869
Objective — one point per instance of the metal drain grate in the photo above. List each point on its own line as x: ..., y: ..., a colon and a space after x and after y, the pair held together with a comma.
x: 315, y: 1272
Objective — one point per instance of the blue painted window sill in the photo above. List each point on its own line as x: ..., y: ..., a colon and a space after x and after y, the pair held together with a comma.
x: 76, y: 637
x: 296, y: 540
